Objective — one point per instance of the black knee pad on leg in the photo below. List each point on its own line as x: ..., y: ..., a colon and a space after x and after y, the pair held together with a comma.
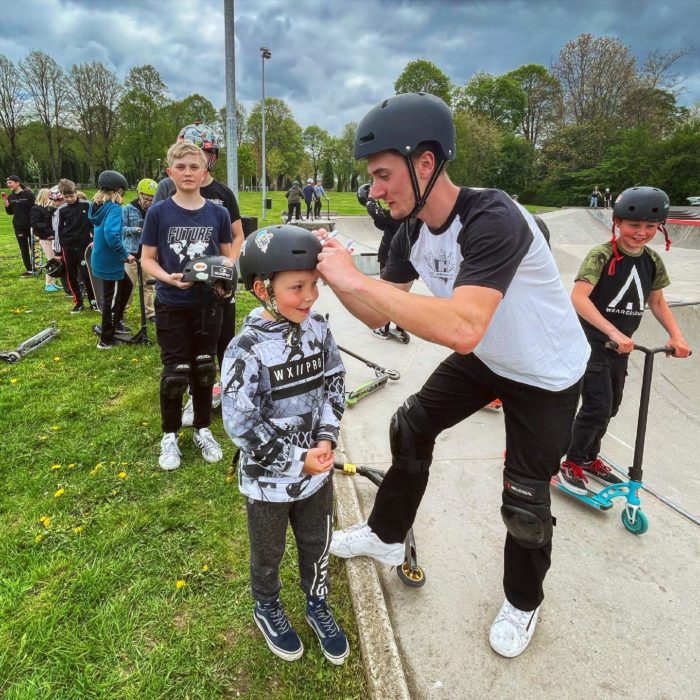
x: 175, y: 379
x: 526, y: 510
x: 410, y: 451
x: 204, y: 370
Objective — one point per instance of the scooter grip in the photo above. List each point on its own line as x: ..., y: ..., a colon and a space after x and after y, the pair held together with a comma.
x: 610, y: 345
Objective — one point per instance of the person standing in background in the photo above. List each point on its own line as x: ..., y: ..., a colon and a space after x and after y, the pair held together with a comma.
x: 18, y: 204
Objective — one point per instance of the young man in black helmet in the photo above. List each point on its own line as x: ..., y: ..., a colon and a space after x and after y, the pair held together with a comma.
x: 501, y: 307
x: 615, y: 282
x: 283, y: 397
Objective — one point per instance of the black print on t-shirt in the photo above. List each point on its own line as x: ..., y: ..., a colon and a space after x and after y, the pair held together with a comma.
x: 188, y: 242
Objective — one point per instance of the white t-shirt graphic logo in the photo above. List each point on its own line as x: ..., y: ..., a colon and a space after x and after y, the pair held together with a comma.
x: 632, y: 279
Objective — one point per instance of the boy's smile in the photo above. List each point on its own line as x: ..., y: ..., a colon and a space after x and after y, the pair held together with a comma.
x: 296, y: 292
x: 634, y: 235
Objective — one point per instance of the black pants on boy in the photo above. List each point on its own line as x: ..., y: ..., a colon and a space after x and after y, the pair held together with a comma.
x: 293, y: 211
x: 187, y: 334
x: 603, y: 386
x: 115, y: 295
x: 312, y: 523
x: 538, y: 427
x: 75, y: 272
x: 22, y: 236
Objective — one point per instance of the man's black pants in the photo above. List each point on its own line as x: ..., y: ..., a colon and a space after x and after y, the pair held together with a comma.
x: 22, y: 235
x: 538, y: 427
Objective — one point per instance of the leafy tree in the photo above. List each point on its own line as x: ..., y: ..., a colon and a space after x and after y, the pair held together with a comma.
x: 44, y: 79
x: 478, y: 141
x: 191, y: 109
x: 12, y: 103
x: 423, y: 76
x: 315, y: 142
x: 542, y: 100
x: 328, y: 181
x: 515, y: 167
x: 345, y: 167
x: 499, y: 98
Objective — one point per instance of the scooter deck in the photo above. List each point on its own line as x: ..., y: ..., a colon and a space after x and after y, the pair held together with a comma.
x: 589, y: 498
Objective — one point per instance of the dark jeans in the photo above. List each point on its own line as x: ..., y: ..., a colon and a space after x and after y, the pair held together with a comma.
x: 311, y: 521
x: 228, y: 329
x: 538, y: 426
x: 75, y: 272
x: 115, y: 295
x: 184, y: 332
x: 317, y: 208
x: 309, y: 210
x: 601, y: 396
x: 22, y: 235
x: 293, y: 211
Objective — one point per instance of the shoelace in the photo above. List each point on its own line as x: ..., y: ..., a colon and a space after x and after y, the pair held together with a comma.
x: 325, y: 619
x: 519, y: 618
x: 170, y: 447
x: 279, y: 619
x: 576, y: 471
x: 207, y: 440
x: 599, y: 467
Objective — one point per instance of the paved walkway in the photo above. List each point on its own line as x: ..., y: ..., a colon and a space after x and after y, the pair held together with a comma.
x: 620, y: 616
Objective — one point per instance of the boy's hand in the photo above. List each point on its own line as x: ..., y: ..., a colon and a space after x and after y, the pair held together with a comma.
x: 682, y: 349
x: 130, y: 258
x: 175, y: 279
x: 625, y: 345
x: 319, y: 459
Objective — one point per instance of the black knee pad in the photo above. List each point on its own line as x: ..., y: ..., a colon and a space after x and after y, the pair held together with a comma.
x: 204, y: 370
x: 526, y: 510
x: 175, y: 379
x: 410, y: 451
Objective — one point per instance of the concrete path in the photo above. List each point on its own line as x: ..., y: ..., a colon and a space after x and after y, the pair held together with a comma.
x: 621, y: 614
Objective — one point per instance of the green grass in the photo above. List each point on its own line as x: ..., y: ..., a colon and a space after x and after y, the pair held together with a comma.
x: 95, y: 536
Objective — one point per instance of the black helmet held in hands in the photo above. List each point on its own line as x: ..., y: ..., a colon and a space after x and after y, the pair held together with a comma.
x: 363, y: 194
x: 642, y: 204
x: 112, y: 180
x: 402, y: 122
x: 54, y: 267
x: 213, y: 270
x: 277, y: 249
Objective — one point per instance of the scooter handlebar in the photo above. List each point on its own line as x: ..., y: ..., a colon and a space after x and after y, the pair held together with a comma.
x: 612, y: 345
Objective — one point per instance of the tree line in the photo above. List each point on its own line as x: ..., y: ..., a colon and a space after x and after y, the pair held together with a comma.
x: 594, y: 117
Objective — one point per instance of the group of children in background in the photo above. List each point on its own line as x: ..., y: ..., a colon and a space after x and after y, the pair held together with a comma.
x: 282, y: 378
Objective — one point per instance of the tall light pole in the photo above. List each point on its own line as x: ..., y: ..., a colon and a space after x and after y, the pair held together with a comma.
x: 231, y: 123
x: 264, y: 53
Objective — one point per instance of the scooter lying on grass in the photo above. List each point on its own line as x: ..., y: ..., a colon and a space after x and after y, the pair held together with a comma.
x: 383, y: 375
x: 409, y: 572
x: 633, y: 518
x: 30, y: 345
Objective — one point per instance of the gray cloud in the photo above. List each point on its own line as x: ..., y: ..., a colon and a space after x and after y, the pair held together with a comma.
x: 332, y: 60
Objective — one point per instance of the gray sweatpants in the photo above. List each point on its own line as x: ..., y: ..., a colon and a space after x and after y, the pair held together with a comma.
x: 312, y: 523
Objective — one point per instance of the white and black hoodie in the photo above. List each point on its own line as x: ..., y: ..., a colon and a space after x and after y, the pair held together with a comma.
x: 278, y: 401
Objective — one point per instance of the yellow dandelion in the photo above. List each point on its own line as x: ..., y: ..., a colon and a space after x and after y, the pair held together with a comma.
x: 38, y: 538
x: 124, y: 464
x: 122, y: 475
x: 114, y: 492
x: 78, y: 529
x: 134, y: 359
x: 57, y: 359
x: 45, y: 520
x: 13, y: 381
x: 54, y: 467
x: 205, y: 567
x: 145, y: 424
x: 71, y: 465
x: 180, y: 583
x: 59, y: 493
x: 55, y: 427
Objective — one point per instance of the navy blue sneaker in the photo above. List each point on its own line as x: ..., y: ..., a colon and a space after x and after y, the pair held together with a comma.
x: 279, y: 634
x: 334, y: 643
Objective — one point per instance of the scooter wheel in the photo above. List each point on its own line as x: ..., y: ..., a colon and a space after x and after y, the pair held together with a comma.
x: 415, y: 578
x: 405, y: 339
x: 640, y: 524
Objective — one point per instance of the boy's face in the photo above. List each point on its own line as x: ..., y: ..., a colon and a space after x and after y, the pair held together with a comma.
x: 636, y: 234
x: 295, y: 292
x: 70, y: 197
x: 188, y: 173
x: 13, y: 185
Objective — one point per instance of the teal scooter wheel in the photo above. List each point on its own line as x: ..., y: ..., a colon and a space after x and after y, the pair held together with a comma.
x: 640, y: 524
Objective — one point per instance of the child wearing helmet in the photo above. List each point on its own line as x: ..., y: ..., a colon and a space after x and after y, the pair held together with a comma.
x: 283, y: 397
x: 188, y: 320
x: 133, y: 215
x: 614, y: 283
x: 109, y: 253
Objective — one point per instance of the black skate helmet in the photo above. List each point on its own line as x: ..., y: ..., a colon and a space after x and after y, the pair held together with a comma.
x: 402, y: 123
x: 363, y: 194
x: 112, y: 180
x: 213, y: 270
x: 277, y: 249
x: 639, y: 204
x: 54, y: 267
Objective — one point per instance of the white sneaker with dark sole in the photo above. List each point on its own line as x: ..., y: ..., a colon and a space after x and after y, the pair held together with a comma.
x: 359, y: 541
x: 211, y: 450
x: 512, y: 630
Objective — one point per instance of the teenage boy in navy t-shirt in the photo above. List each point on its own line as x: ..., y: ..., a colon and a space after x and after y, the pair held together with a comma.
x: 188, y: 321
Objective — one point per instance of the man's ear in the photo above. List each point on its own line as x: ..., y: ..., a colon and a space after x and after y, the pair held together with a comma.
x: 425, y: 164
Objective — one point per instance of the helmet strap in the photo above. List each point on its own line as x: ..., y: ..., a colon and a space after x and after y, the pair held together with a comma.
x: 617, y: 257
x: 422, y: 199
x: 662, y: 227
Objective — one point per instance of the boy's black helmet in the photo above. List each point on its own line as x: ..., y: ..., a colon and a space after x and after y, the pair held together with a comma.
x: 54, y: 267
x: 642, y: 204
x: 363, y: 194
x: 214, y: 270
x: 402, y: 122
x: 112, y: 180
x: 277, y: 249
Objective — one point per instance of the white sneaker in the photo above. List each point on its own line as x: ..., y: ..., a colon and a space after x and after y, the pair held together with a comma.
x: 169, y: 452
x: 211, y: 450
x: 188, y: 414
x: 512, y: 630
x: 359, y: 540
x: 215, y: 395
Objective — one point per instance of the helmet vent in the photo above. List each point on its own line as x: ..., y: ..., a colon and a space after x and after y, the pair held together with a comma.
x: 299, y: 252
x: 367, y: 137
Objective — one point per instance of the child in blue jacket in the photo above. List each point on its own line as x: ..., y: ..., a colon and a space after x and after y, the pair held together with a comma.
x: 109, y: 253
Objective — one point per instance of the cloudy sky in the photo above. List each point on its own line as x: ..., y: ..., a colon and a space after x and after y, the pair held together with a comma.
x: 333, y: 59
